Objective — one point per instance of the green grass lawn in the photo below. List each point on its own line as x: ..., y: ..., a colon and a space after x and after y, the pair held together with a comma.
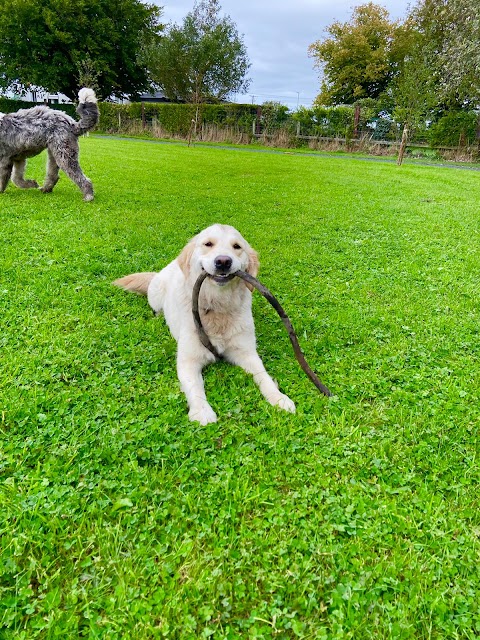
x: 357, y: 517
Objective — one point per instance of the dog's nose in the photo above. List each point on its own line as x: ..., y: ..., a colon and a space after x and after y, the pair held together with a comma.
x: 223, y: 263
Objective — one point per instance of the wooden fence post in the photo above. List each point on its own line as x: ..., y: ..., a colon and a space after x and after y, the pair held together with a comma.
x: 258, y: 126
x: 356, y: 120
x: 403, y: 145
x: 194, y: 125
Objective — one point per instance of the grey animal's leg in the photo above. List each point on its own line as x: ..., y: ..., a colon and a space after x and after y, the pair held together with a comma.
x: 5, y: 173
x: 52, y: 174
x: 18, y: 176
x: 67, y: 159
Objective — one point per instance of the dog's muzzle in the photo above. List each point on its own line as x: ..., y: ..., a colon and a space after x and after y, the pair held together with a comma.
x: 223, y: 265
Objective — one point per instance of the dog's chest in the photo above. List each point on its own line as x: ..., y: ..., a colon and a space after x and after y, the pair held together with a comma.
x: 220, y: 326
x: 225, y: 314
x: 223, y: 324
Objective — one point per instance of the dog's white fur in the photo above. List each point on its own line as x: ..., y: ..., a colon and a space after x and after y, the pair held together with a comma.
x: 225, y: 310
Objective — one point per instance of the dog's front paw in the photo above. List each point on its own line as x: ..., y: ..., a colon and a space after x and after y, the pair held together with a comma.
x: 282, y: 401
x: 31, y: 184
x: 204, y: 414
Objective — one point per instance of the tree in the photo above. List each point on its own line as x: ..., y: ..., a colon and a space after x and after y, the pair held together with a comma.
x: 203, y: 59
x: 360, y: 58
x: 440, y: 72
x: 449, y: 45
x: 413, y: 90
x: 54, y: 44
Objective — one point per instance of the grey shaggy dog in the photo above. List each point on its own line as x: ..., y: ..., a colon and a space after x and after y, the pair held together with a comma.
x: 29, y: 131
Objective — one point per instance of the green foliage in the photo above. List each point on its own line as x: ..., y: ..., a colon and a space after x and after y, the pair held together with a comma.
x: 449, y: 37
x: 369, y: 110
x: 423, y: 66
x: 175, y: 118
x: 455, y: 129
x: 47, y: 43
x: 331, y: 122
x: 88, y: 74
x: 7, y: 105
x: 274, y: 116
x: 325, y: 121
x: 202, y: 60
x: 415, y: 89
x: 360, y: 57
x: 440, y: 70
x: 230, y: 114
x: 355, y: 518
x: 385, y: 128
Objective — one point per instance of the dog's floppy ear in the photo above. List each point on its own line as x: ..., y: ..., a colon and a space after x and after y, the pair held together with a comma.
x: 253, y: 266
x: 185, y: 258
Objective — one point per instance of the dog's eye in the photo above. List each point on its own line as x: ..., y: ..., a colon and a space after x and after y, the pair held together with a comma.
x: 209, y: 244
x: 237, y: 246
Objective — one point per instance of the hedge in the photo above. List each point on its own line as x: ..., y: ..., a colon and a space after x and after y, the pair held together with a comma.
x: 7, y: 105
x: 175, y: 118
x: 458, y: 128
x: 325, y: 121
x: 452, y: 130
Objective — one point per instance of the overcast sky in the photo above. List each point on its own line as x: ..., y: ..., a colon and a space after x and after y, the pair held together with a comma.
x: 277, y: 34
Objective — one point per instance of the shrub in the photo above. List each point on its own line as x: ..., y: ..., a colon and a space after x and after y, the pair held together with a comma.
x: 325, y: 121
x: 333, y: 121
x: 8, y: 105
x: 175, y: 119
x: 274, y: 116
x: 458, y: 128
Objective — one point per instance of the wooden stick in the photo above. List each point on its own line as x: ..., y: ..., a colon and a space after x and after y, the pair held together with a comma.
x: 278, y: 308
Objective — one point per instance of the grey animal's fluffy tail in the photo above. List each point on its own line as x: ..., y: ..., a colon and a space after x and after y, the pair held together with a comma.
x: 136, y: 282
x: 87, y: 110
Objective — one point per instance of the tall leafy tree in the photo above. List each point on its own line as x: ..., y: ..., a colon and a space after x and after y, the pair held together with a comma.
x: 358, y: 58
x: 201, y: 60
x: 448, y: 44
x: 441, y: 70
x: 54, y: 44
x: 414, y: 91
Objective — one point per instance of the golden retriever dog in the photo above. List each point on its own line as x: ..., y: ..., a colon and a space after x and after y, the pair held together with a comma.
x: 225, y: 307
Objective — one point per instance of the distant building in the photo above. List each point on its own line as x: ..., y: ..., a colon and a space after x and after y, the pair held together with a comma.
x: 37, y: 94
x: 156, y: 96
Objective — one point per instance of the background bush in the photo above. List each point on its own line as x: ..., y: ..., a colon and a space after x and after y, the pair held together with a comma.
x: 454, y: 129
x: 325, y: 121
x: 9, y: 106
x: 175, y: 118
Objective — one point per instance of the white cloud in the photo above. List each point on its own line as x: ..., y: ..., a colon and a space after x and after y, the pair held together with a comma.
x: 277, y: 35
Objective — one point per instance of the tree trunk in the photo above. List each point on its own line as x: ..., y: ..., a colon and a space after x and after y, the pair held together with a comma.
x: 403, y: 145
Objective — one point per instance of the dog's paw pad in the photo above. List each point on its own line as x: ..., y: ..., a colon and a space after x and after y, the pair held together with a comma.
x: 204, y: 416
x: 283, y: 402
